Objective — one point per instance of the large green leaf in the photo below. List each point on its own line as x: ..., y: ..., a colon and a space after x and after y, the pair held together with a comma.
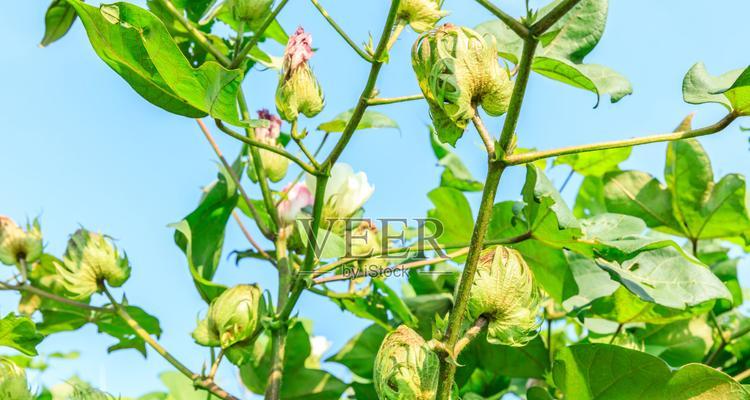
x: 112, y: 325
x: 641, y: 195
x: 455, y: 175
x: 370, y: 120
x: 678, y: 343
x: 625, y: 307
x: 19, y: 332
x: 689, y: 177
x: 201, y: 234
x: 590, y: 198
x: 595, y: 163
x: 358, y: 354
x: 57, y: 21
x: 732, y: 89
x: 137, y: 45
x: 666, y: 277
x: 600, y: 371
x: 564, y: 47
x: 454, y: 213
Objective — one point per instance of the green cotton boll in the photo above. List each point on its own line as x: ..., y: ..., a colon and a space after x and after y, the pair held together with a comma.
x: 421, y: 15
x: 13, y: 383
x: 232, y: 317
x: 505, y: 292
x: 299, y: 92
x: 274, y: 164
x: 250, y: 11
x: 17, y: 243
x: 457, y: 70
x: 405, y: 367
x: 89, y: 261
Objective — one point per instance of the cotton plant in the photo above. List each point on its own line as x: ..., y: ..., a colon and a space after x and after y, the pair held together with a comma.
x: 523, y: 296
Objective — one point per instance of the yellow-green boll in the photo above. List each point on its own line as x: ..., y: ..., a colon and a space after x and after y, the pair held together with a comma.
x: 298, y: 91
x: 13, y: 383
x: 421, y: 15
x: 405, y: 367
x: 366, y: 241
x: 232, y: 317
x: 18, y: 244
x: 458, y: 70
x: 249, y: 11
x: 505, y: 292
x: 90, y: 261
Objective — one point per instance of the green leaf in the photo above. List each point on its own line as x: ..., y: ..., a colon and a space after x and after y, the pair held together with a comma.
x: 689, y: 177
x: 181, y: 387
x: 678, y: 343
x: 329, y: 245
x: 137, y: 45
x: 640, y: 195
x: 454, y: 213
x: 201, y: 234
x: 57, y: 21
x: 595, y: 163
x: 625, y: 307
x: 395, y: 304
x: 455, y: 175
x: 600, y: 371
x: 576, y: 34
x: 732, y: 89
x: 667, y: 277
x: 594, y: 78
x: 18, y: 332
x: 112, y: 325
x: 590, y: 198
x: 370, y: 120
x: 358, y: 354
x: 529, y: 361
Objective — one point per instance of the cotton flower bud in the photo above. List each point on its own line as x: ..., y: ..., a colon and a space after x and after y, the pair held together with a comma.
x: 13, y: 383
x: 405, y: 367
x: 421, y: 15
x: 232, y: 317
x: 346, y: 192
x: 19, y: 244
x: 295, y: 198
x: 366, y: 241
x: 250, y: 11
x: 298, y: 90
x: 90, y: 260
x: 457, y: 70
x: 505, y: 292
x: 275, y: 165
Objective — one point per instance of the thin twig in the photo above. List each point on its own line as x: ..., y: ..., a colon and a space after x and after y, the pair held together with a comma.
x: 341, y: 32
x: 526, y: 158
x: 198, y: 381
x: 257, y: 34
x: 391, y: 100
x: 196, y: 34
x: 250, y: 238
x: 215, y: 365
x: 266, y: 232
x: 470, y: 335
x: 52, y: 296
x: 553, y: 16
x: 489, y: 143
x: 617, y: 332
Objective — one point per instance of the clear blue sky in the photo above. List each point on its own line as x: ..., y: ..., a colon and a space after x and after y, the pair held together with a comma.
x: 80, y: 147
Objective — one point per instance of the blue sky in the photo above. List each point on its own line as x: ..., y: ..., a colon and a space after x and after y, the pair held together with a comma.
x: 79, y: 147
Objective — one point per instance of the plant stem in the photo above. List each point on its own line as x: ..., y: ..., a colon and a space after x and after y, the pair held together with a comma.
x: 520, y: 29
x: 617, y: 333
x: 260, y: 172
x: 403, y: 267
x: 200, y: 382
x: 470, y: 335
x: 553, y: 16
x: 448, y: 368
x: 196, y: 34
x: 400, y: 25
x: 359, y: 109
x: 257, y: 34
x: 52, y: 296
x: 341, y: 32
x: 215, y: 364
x: 278, y: 348
x: 526, y: 158
x: 391, y: 100
x: 257, y: 144
x: 489, y: 143
x: 516, y: 100
x: 742, y: 375
x: 237, y: 181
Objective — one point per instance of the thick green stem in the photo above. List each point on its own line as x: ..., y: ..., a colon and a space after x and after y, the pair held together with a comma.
x: 200, y: 382
x: 260, y: 172
x: 341, y: 32
x: 553, y: 16
x: 519, y: 91
x: 278, y: 338
x: 359, y: 109
x: 447, y: 367
x: 257, y: 34
x: 196, y: 34
x: 512, y: 23
x: 526, y: 158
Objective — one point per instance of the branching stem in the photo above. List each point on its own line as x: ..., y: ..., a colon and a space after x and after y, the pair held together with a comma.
x: 257, y: 35
x: 341, y: 32
x: 392, y: 100
x: 520, y: 29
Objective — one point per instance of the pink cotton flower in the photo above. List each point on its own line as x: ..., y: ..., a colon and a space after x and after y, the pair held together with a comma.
x: 298, y: 50
x: 271, y: 133
x: 296, y: 198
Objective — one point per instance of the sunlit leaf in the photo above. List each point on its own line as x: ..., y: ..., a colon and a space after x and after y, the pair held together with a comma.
x: 57, y: 22
x: 19, y: 333
x: 370, y: 120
